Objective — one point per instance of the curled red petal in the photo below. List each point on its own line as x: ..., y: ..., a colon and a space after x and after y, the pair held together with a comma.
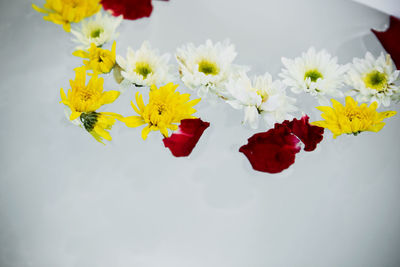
x: 390, y: 39
x: 129, y: 9
x: 182, y: 142
x: 310, y: 135
x: 272, y: 151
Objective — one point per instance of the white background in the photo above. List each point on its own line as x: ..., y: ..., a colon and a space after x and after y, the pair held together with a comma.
x: 66, y: 200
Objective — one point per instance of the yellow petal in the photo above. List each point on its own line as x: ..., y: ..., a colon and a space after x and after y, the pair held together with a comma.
x: 145, y: 132
x: 133, y: 121
x: 38, y: 9
x: 109, y: 97
x: 67, y: 27
x: 113, y: 48
x: 74, y: 115
x: 388, y: 114
x: 103, y: 133
x: 139, y: 101
x: 336, y: 105
x: 112, y: 115
x: 376, y: 127
x: 97, y: 137
x: 63, y: 96
x: 80, y: 53
x: 164, y: 131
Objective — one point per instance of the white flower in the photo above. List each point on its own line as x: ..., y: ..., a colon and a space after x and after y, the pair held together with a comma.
x: 314, y: 73
x: 207, y: 67
x: 98, y: 30
x: 374, y: 79
x: 146, y: 67
x: 261, y: 97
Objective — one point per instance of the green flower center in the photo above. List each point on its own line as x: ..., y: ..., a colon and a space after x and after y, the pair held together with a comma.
x: 143, y: 68
x: 264, y: 96
x: 89, y: 120
x: 376, y: 80
x: 96, y: 33
x: 314, y: 75
x: 208, y: 67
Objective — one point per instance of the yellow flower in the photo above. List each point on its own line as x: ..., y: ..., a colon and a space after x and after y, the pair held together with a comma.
x: 100, y: 60
x: 351, y: 118
x: 86, y: 98
x: 65, y: 12
x: 97, y: 124
x: 165, y: 108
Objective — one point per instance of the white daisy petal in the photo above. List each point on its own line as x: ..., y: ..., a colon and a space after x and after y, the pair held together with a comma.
x: 207, y: 66
x: 146, y: 67
x: 99, y: 30
x: 314, y: 72
x: 260, y: 97
x: 374, y: 79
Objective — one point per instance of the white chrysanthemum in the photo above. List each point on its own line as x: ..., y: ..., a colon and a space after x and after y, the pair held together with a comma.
x: 261, y: 97
x: 374, y: 79
x: 207, y: 67
x: 98, y: 30
x: 146, y: 67
x: 314, y: 73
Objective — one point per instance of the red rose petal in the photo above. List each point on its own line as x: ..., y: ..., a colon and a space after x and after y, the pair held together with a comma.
x: 272, y: 151
x: 390, y: 40
x: 310, y: 135
x: 182, y: 142
x: 129, y: 9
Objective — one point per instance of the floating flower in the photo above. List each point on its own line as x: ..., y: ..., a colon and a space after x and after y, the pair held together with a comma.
x: 99, y: 60
x: 207, y: 67
x: 65, y: 12
x: 165, y: 108
x: 310, y: 135
x: 182, y: 141
x: 97, y: 124
x: 351, y: 118
x: 86, y: 98
x: 272, y: 151
x: 374, y: 80
x: 390, y: 39
x: 261, y: 97
x: 98, y: 30
x: 145, y: 66
x: 314, y: 72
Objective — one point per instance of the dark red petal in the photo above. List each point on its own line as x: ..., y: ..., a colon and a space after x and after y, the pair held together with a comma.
x: 182, y: 142
x: 272, y: 151
x: 390, y: 40
x: 129, y: 9
x: 310, y: 135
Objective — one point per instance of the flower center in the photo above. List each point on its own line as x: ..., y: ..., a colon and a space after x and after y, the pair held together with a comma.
x: 72, y: 3
x: 96, y: 33
x: 313, y: 74
x: 85, y: 94
x: 208, y: 67
x: 376, y: 80
x: 158, y: 111
x: 143, y: 68
x: 161, y: 108
x: 352, y: 114
x: 263, y: 94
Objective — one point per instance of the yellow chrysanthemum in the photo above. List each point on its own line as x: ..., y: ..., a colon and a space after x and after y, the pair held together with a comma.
x: 351, y: 118
x: 86, y: 98
x: 165, y: 108
x: 100, y: 60
x: 97, y: 124
x: 65, y: 12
